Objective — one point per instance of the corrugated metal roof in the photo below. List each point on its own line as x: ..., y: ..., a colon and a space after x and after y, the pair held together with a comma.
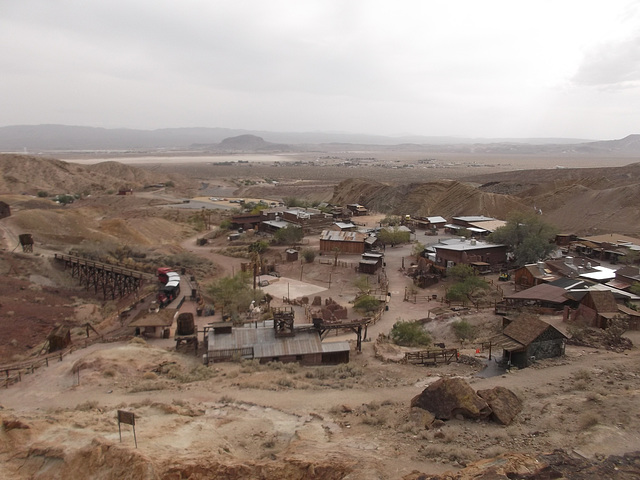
x: 340, y: 236
x: 330, y: 347
x: 544, y: 292
x: 265, y: 343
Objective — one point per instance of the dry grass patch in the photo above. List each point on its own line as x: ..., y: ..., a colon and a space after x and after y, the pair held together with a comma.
x: 589, y: 420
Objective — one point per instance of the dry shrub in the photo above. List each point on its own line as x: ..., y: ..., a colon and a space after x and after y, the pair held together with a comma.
x: 196, y: 374
x: 452, y: 434
x: 226, y: 400
x: 581, y: 385
x: 250, y: 366
x: 588, y: 420
x: 373, y: 406
x: 594, y: 397
x: 109, y: 372
x: 375, y: 420
x: 342, y: 371
x: 287, y: 383
x: 494, y: 451
x: 452, y: 453
x: 138, y: 341
x: 148, y: 386
x: 86, y: 406
x: 291, y: 367
x: 582, y: 374
x: 149, y: 376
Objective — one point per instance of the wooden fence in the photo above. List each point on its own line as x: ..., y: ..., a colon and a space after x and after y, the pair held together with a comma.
x: 227, y: 354
x: 13, y: 373
x: 432, y: 357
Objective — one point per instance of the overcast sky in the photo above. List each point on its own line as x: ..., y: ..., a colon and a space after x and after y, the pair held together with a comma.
x: 426, y: 67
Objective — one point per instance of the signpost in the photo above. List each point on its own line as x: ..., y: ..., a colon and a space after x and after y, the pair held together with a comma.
x: 127, y: 418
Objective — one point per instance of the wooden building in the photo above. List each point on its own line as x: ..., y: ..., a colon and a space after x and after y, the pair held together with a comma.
x: 525, y: 341
x: 357, y: 210
x: 59, y: 338
x: 292, y: 255
x: 451, y: 252
x: 597, y: 309
x: 543, y: 298
x: 5, y: 210
x: 264, y: 343
x: 311, y: 220
x: 246, y: 221
x: 343, y: 242
x: 533, y: 274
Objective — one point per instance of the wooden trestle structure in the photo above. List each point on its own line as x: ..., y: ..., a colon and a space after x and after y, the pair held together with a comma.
x: 113, y: 281
x: 356, y: 326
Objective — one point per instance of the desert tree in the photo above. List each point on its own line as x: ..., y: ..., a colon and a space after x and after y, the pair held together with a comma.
x: 394, y: 236
x: 527, y: 236
x: 367, y: 304
x: 467, y: 284
x: 409, y: 334
x: 417, y: 250
x: 234, y: 294
x: 362, y: 284
x: 289, y: 235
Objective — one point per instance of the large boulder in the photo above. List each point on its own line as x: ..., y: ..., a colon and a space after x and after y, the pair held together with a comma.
x: 504, y: 404
x: 448, y: 397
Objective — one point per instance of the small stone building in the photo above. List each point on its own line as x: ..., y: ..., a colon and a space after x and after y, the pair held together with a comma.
x: 526, y: 340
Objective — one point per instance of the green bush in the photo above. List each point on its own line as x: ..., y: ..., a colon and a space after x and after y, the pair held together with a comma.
x: 463, y: 330
x: 409, y: 334
x: 367, y: 304
x: 42, y: 194
x: 309, y: 255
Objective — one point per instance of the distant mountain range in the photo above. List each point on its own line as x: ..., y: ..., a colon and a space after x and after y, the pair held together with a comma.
x: 35, y: 138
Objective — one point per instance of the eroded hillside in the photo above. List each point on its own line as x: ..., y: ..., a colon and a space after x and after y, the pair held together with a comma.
x: 30, y: 175
x: 581, y: 201
x: 446, y: 198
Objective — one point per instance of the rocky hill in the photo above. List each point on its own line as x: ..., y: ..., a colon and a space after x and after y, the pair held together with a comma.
x: 586, y: 200
x: 446, y: 198
x: 30, y: 175
x: 244, y: 143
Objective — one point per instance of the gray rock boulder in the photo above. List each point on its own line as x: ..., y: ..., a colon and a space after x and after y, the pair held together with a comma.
x: 504, y: 404
x: 448, y: 397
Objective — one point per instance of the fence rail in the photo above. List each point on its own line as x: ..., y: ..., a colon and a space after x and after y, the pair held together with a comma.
x: 13, y: 373
x: 224, y: 355
x: 432, y: 357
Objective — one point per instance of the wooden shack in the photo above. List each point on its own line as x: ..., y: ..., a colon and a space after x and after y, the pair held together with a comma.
x: 5, y: 210
x: 26, y: 240
x: 529, y: 339
x: 343, y: 242
x: 59, y: 338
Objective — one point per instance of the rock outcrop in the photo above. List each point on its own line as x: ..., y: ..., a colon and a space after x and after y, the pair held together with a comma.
x: 504, y: 404
x: 449, y: 397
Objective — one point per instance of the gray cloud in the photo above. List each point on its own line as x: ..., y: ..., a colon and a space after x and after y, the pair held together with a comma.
x: 611, y: 65
x: 435, y: 68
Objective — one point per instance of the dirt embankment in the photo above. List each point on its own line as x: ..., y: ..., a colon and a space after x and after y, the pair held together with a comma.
x: 446, y: 198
